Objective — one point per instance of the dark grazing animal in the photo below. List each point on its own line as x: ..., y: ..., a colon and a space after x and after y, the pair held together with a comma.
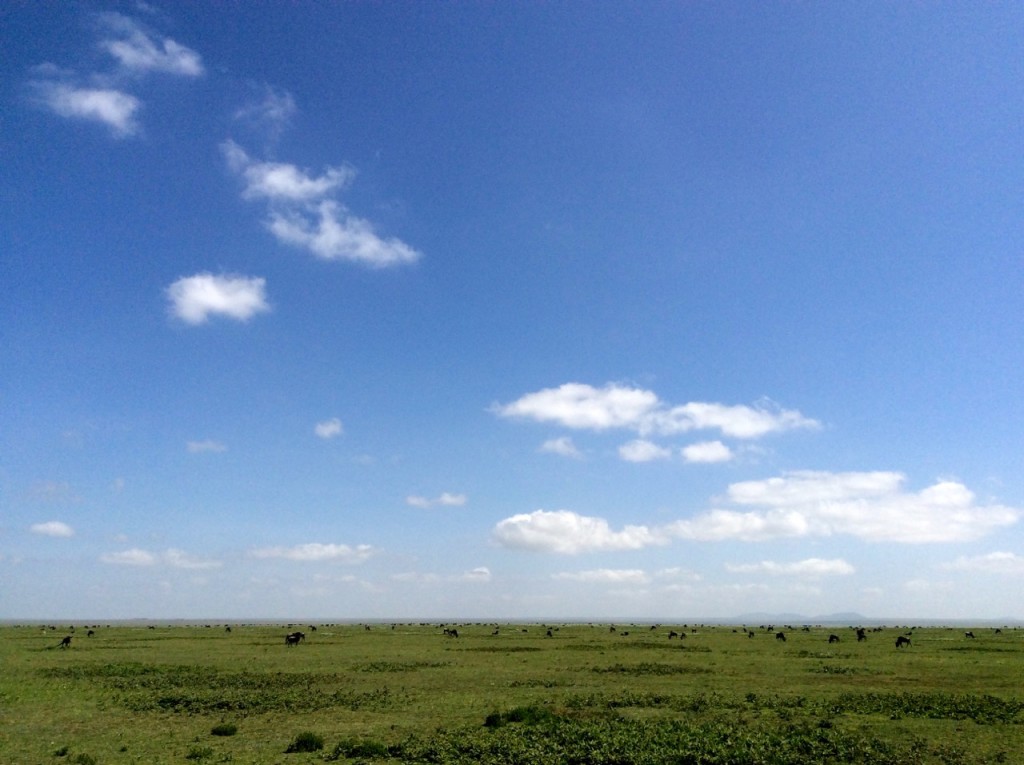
x: 902, y: 640
x: 294, y: 638
x: 66, y: 642
x: 860, y: 634
x: 833, y: 638
x: 969, y: 635
x: 780, y: 636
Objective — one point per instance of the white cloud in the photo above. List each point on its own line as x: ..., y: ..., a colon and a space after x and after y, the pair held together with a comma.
x: 181, y: 559
x: 300, y: 215
x: 114, y: 108
x: 707, y: 452
x: 445, y: 499
x: 811, y: 567
x: 641, y: 450
x: 328, y: 428
x: 133, y: 557
x: 330, y: 232
x: 315, y: 551
x: 870, y: 505
x: 605, y: 576
x: 566, y: 532
x: 137, y: 51
x: 1006, y: 563
x: 584, y: 407
x: 208, y: 446
x: 194, y: 299
x: 273, y: 112
x: 170, y: 557
x: 478, y: 574
x: 52, y: 529
x: 282, y: 181
x: 562, y: 446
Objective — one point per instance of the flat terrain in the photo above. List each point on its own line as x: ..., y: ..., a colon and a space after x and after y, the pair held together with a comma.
x: 567, y: 693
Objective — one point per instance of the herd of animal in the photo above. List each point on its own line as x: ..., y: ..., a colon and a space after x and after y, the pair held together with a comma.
x: 296, y: 637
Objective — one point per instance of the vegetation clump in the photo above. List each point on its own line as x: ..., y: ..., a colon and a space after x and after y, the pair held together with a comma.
x: 307, y: 741
x: 224, y: 729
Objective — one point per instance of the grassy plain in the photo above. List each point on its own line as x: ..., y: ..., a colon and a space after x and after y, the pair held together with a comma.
x: 407, y: 693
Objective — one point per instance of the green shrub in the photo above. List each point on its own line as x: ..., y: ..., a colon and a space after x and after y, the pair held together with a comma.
x: 199, y: 753
x: 352, y: 748
x: 224, y: 729
x: 529, y: 715
x: 83, y: 759
x: 305, y: 742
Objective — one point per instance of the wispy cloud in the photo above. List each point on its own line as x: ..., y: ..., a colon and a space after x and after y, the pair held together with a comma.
x: 562, y: 446
x: 605, y: 576
x: 811, y: 567
x: 584, y: 407
x: 139, y: 50
x: 445, y: 499
x: 171, y: 557
x: 52, y: 529
x: 328, y: 428
x: 1004, y: 563
x: 316, y: 551
x: 194, y: 299
x: 302, y: 214
x: 568, y: 533
x: 272, y: 113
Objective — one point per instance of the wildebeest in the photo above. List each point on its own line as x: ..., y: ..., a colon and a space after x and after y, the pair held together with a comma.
x: 294, y: 638
x: 451, y: 632
x: 673, y: 634
x: 969, y: 635
x: 780, y: 636
x: 90, y: 633
x: 902, y: 640
x: 833, y: 638
x: 66, y: 642
x: 860, y: 634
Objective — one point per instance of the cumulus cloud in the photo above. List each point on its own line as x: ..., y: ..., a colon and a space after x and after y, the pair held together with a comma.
x: 1006, y: 563
x: 301, y: 214
x: 328, y: 428
x: 869, y: 505
x: 114, y: 108
x: 811, y: 567
x: 445, y: 499
x: 568, y: 533
x: 707, y: 452
x: 331, y: 232
x: 171, y: 557
x: 194, y: 299
x: 641, y: 450
x: 99, y: 97
x: 281, y: 181
x: 138, y: 50
x: 208, y: 446
x: 52, y: 529
x: 315, y: 551
x: 562, y: 446
x: 584, y: 407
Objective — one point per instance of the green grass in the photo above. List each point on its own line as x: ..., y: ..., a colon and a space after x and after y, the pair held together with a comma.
x: 409, y: 694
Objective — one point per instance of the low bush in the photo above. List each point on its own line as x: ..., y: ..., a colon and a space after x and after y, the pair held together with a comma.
x: 306, y: 741
x: 224, y: 729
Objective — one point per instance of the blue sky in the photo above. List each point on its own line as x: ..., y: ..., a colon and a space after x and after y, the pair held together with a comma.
x: 558, y: 310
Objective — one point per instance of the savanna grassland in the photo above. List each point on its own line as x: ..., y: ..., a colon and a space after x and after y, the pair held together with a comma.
x: 408, y: 693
